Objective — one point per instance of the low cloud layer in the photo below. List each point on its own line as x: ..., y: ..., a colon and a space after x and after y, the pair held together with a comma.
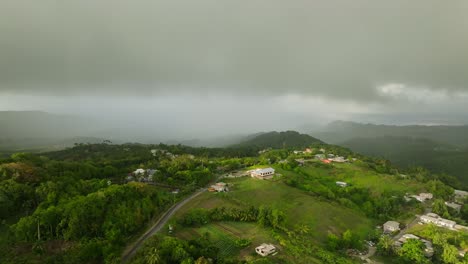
x: 330, y: 48
x: 299, y: 61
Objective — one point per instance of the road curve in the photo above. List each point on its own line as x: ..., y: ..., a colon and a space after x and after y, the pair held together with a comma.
x: 132, y: 249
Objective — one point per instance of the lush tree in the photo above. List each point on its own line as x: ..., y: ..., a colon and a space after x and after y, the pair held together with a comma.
x: 412, y: 251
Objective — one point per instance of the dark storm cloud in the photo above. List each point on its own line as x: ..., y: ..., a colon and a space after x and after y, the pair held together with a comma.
x: 337, y: 49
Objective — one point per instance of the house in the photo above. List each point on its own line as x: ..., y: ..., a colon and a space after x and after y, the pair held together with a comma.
x: 426, y: 196
x: 320, y: 156
x: 455, y: 206
x: 391, y: 226
x: 265, y: 249
x: 341, y: 184
x: 139, y: 171
x: 266, y: 173
x: 422, y: 197
x: 460, y: 195
x: 308, y: 150
x: 297, y: 152
x: 322, y: 150
x: 331, y: 155
x: 301, y: 162
x: 338, y: 159
x: 437, y: 220
x: 219, y: 187
x: 326, y: 161
x: 428, y: 250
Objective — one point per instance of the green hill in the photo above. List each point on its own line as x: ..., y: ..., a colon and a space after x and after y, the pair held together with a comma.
x: 411, y: 152
x: 287, y: 139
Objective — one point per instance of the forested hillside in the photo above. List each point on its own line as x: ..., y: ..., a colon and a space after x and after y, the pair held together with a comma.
x: 87, y: 203
x: 409, y: 152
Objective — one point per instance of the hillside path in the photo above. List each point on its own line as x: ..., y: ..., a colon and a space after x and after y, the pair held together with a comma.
x: 133, y: 248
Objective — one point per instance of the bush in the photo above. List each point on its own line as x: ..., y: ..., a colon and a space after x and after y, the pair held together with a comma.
x: 243, y: 242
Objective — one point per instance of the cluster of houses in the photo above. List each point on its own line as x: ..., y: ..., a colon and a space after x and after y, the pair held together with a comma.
x: 428, y: 250
x: 329, y: 158
x: 306, y: 151
x: 163, y: 151
x: 141, y: 175
x: 263, y: 174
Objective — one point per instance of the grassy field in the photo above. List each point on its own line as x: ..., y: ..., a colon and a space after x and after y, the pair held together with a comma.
x: 226, y: 233
x: 377, y: 182
x: 301, y: 208
x: 359, y: 177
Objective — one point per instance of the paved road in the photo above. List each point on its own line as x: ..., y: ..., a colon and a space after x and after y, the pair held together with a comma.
x: 411, y: 224
x: 132, y: 249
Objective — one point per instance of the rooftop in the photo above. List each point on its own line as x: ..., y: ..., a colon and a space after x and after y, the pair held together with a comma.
x: 264, y: 170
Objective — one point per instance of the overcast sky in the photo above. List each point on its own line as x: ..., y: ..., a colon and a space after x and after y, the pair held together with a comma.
x: 237, y: 66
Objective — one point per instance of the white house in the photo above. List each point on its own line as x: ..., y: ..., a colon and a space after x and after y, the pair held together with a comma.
x: 220, y: 187
x: 437, y: 220
x: 391, y: 226
x: 139, y: 171
x: 455, y: 206
x: 341, y: 184
x: 266, y: 173
x: 265, y: 249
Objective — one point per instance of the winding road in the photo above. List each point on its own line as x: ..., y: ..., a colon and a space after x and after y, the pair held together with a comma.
x: 132, y: 249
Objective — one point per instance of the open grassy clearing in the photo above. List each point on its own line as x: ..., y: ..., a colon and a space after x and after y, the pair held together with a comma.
x: 226, y: 233
x: 299, y: 207
x: 359, y: 177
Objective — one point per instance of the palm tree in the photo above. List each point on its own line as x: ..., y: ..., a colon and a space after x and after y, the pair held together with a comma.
x: 385, y: 244
x: 153, y: 257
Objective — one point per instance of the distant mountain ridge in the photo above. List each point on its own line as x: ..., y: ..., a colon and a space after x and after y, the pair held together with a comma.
x: 441, y: 149
x: 273, y: 139
x: 340, y: 131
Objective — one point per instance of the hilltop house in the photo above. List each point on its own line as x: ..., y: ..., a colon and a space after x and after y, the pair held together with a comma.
x: 437, y: 220
x: 391, y: 226
x: 341, y: 184
x: 265, y: 249
x: 266, y: 173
